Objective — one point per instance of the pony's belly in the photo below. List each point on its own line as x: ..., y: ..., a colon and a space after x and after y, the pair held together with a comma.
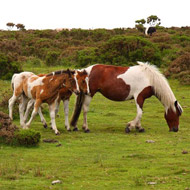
x: 116, y: 95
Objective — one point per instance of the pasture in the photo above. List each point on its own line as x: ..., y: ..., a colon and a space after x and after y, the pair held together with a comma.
x: 107, y: 157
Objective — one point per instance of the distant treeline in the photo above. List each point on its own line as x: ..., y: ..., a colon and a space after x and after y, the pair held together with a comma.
x: 79, y: 48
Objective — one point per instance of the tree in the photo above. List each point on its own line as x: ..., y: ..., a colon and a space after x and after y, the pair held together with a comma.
x: 20, y: 27
x: 140, y: 25
x: 142, y: 21
x: 153, y: 20
x: 10, y: 25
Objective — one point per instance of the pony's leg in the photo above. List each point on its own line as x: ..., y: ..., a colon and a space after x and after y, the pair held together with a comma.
x: 29, y: 106
x: 52, y: 108
x: 42, y: 118
x: 57, y: 103
x: 34, y: 112
x: 22, y: 106
x: 12, y: 101
x: 85, y: 111
x: 136, y: 123
x: 66, y: 111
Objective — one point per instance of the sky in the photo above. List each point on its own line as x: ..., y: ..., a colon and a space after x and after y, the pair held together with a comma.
x: 92, y: 14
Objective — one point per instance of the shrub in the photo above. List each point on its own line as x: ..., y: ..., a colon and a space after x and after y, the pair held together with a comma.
x: 5, y: 102
x: 52, y: 58
x: 8, y: 68
x: 7, y: 129
x: 27, y: 137
x: 121, y: 50
x: 34, y: 61
x: 87, y: 57
x: 140, y: 28
x: 131, y: 49
x: 12, y: 135
x: 180, y: 68
x: 159, y: 38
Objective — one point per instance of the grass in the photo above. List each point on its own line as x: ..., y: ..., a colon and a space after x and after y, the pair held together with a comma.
x: 106, y: 158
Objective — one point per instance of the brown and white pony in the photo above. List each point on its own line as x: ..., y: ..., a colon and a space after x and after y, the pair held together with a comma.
x: 63, y: 95
x: 124, y: 83
x: 41, y: 89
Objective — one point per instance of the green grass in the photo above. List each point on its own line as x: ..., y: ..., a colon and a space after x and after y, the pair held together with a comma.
x: 106, y: 158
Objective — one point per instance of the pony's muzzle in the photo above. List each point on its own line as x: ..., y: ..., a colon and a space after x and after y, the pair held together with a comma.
x: 174, y: 129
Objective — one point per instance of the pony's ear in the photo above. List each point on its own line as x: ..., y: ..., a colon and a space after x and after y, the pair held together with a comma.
x: 178, y: 107
x: 175, y: 103
x: 72, y: 72
x: 85, y: 72
x: 82, y: 72
x: 69, y: 72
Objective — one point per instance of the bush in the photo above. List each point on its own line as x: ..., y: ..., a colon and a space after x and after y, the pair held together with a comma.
x: 8, y: 68
x: 180, y: 68
x: 52, y: 58
x: 34, y: 61
x: 121, y: 50
x: 87, y: 57
x: 129, y: 49
x: 7, y: 129
x: 4, y: 103
x: 12, y: 135
x: 27, y: 137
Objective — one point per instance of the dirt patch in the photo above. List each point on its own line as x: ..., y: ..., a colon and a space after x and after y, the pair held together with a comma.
x: 7, y: 129
x: 50, y: 140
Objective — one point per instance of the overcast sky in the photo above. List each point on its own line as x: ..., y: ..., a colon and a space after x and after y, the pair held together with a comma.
x: 52, y: 14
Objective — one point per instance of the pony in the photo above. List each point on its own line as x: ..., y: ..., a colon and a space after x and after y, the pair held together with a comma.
x: 150, y: 30
x: 137, y: 82
x: 63, y: 95
x: 41, y: 89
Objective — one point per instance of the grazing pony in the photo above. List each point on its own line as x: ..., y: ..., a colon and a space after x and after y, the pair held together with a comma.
x: 41, y: 89
x: 124, y: 83
x: 64, y: 95
x: 150, y: 30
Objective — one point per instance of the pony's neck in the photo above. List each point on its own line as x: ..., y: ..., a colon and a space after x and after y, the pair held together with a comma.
x: 160, y: 85
x: 56, y: 82
x: 164, y: 93
x: 167, y: 102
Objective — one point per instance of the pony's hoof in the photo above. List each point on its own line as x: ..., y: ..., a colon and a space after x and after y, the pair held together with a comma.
x: 141, y: 130
x: 127, y: 130
x: 25, y: 126
x: 57, y: 133
x: 75, y: 129
x: 87, y: 131
x: 45, y: 126
x: 69, y: 130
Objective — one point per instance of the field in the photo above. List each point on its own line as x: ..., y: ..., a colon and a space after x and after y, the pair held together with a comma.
x: 107, y: 157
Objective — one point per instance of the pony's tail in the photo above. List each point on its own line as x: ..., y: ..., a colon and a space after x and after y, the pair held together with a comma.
x: 78, y: 107
x: 12, y: 81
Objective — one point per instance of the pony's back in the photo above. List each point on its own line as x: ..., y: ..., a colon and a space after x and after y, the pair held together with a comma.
x: 18, y: 78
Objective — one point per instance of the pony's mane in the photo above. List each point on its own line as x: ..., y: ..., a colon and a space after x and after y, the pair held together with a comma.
x: 60, y: 72
x: 162, y: 89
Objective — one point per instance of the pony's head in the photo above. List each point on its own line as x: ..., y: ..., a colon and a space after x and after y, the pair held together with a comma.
x: 71, y: 83
x: 82, y: 78
x: 172, y: 117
